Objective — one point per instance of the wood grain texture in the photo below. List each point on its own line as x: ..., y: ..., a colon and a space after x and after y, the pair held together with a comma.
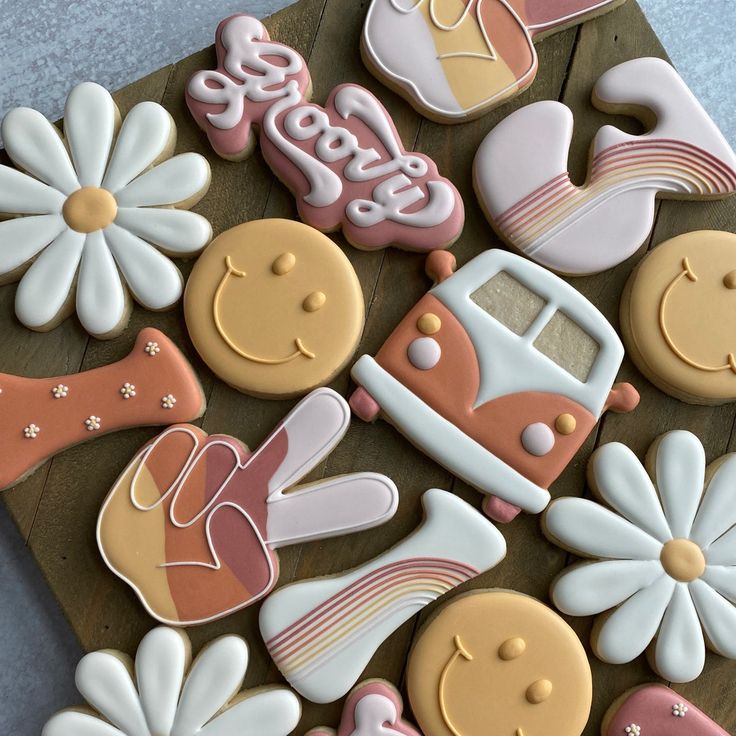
x: 56, y: 509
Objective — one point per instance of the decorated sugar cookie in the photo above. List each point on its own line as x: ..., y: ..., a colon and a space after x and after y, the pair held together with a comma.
x: 95, y: 215
x: 677, y: 317
x: 498, y: 663
x: 344, y: 162
x: 499, y: 374
x: 322, y: 633
x: 454, y: 60
x: 153, y: 385
x: 521, y: 176
x: 664, y: 555
x: 374, y: 708
x: 164, y: 693
x: 275, y: 308
x: 194, y: 521
x: 655, y: 710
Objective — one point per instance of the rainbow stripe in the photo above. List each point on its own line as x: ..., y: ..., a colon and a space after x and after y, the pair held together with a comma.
x: 395, y: 589
x: 663, y: 165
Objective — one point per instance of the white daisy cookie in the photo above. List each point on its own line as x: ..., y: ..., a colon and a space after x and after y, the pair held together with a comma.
x: 164, y: 693
x: 92, y: 216
x: 664, y: 555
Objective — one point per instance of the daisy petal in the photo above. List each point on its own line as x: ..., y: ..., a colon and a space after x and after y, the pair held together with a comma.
x: 36, y: 147
x: 76, y: 723
x: 590, y: 588
x: 717, y: 512
x: 594, y: 531
x: 718, y: 617
x: 178, y: 232
x: 216, y: 674
x: 680, y: 472
x: 723, y: 550
x: 177, y: 180
x: 105, y: 683
x: 45, y: 288
x: 273, y: 712
x: 147, y: 131
x: 21, y: 194
x: 23, y: 237
x: 723, y: 579
x: 680, y: 652
x: 633, y: 625
x: 90, y: 117
x: 160, y: 664
x: 155, y: 281
x: 624, y: 484
x: 101, y: 303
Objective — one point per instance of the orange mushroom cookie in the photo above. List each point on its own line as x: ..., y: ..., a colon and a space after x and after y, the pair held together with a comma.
x: 676, y: 317
x: 499, y: 663
x: 274, y: 308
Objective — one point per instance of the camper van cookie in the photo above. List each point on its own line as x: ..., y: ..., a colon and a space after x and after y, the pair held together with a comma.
x: 322, y: 633
x: 275, y: 308
x: 194, y: 521
x: 663, y: 556
x: 521, y: 177
x: 455, y: 61
x: 655, y: 710
x: 166, y: 693
x: 498, y: 663
x: 154, y: 384
x: 95, y: 214
x: 676, y: 317
x: 499, y: 374
x: 344, y: 162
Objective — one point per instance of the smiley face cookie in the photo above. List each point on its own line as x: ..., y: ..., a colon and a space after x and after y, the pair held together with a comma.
x: 499, y: 663
x: 676, y: 317
x: 274, y: 308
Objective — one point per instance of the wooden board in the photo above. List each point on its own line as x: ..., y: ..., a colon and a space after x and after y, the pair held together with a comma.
x: 57, y: 507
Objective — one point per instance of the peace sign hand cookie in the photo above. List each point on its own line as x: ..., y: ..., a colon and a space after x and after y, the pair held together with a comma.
x: 193, y: 521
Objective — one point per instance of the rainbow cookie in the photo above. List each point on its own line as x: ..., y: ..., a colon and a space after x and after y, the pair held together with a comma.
x: 344, y: 162
x: 522, y: 182
x: 193, y: 522
x: 454, y: 60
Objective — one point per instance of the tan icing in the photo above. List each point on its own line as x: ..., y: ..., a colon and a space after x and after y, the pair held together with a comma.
x: 283, y: 264
x: 89, y: 209
x: 512, y: 648
x: 539, y: 691
x: 316, y: 300
x: 429, y: 324
x: 566, y: 424
x: 683, y: 560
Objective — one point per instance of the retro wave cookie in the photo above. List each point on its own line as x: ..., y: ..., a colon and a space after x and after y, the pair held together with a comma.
x: 153, y: 385
x: 275, y: 308
x: 95, y: 214
x: 663, y: 555
x: 655, y: 710
x: 322, y: 633
x: 499, y: 663
x: 165, y: 693
x: 521, y: 178
x: 194, y: 521
x: 455, y: 60
x: 499, y: 374
x: 677, y: 317
x: 344, y: 162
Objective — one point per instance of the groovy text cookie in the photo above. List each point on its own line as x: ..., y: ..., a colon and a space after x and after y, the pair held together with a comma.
x: 274, y: 307
x: 499, y: 373
x: 154, y: 384
x: 166, y: 694
x: 373, y: 708
x: 322, y: 633
x: 655, y: 710
x: 677, y: 317
x: 521, y: 178
x: 194, y: 521
x: 454, y: 60
x: 344, y: 162
x: 664, y: 555
x: 93, y: 225
x: 499, y: 663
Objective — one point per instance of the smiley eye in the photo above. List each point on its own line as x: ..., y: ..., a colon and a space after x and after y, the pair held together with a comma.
x: 316, y: 300
x: 539, y: 691
x: 283, y: 264
x: 729, y: 280
x: 512, y: 649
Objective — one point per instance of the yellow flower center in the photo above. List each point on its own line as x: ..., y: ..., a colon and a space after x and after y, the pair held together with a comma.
x: 89, y: 209
x: 683, y: 560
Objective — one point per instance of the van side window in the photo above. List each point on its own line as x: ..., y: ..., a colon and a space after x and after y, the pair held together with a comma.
x: 509, y: 302
x: 568, y: 345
